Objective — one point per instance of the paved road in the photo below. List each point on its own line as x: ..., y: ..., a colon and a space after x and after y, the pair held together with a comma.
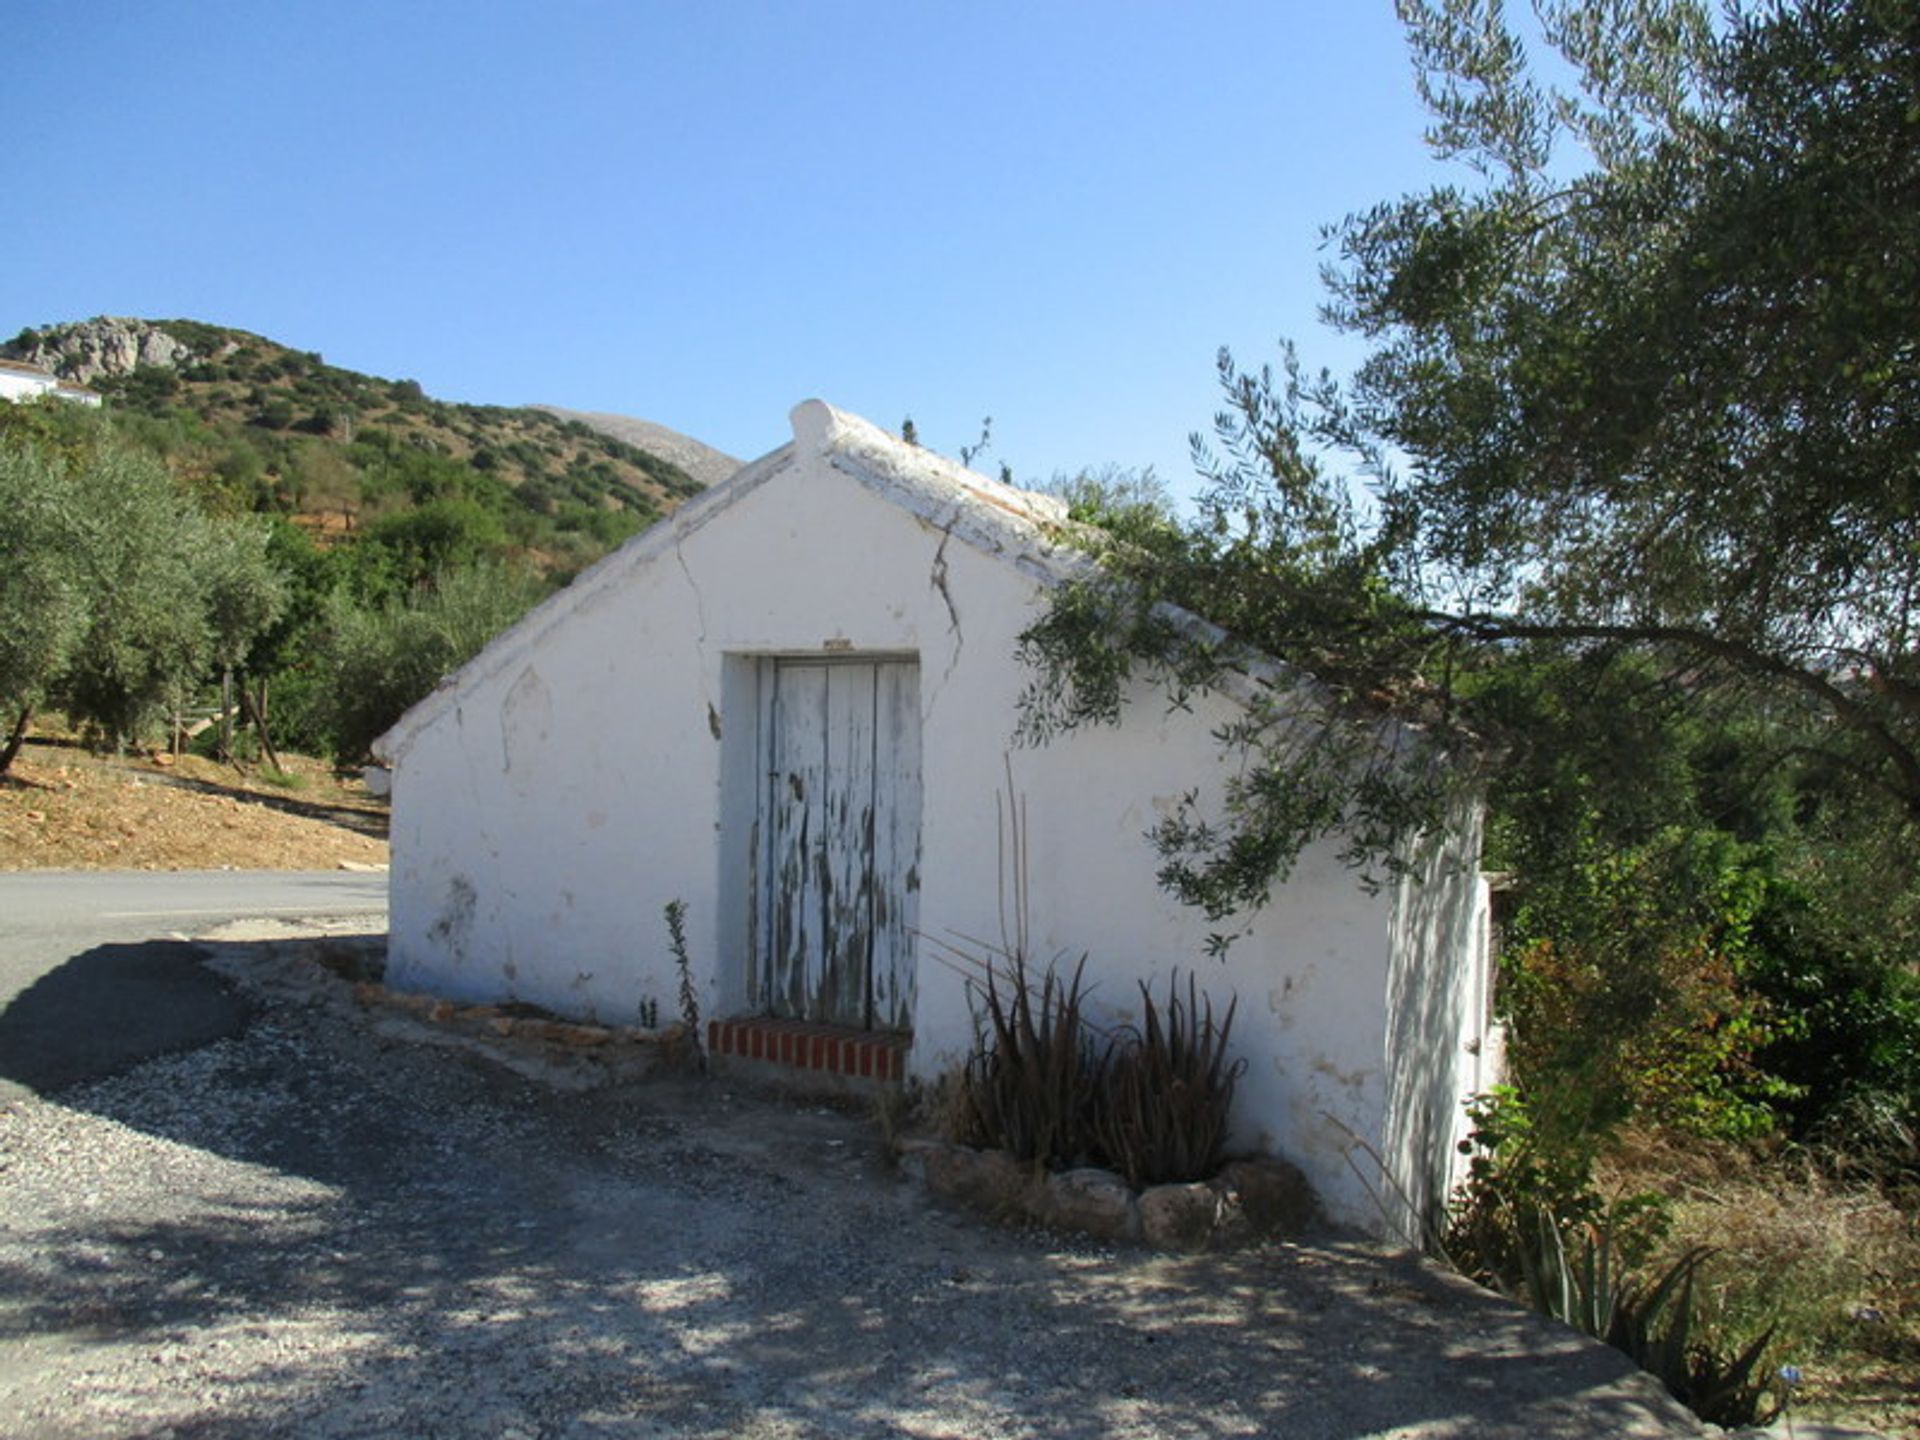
x: 96, y: 973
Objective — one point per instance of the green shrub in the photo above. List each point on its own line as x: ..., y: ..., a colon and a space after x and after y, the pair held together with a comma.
x: 379, y: 662
x: 1161, y: 1112
x: 1044, y: 1084
x: 1529, y: 1224
x: 1036, y: 1071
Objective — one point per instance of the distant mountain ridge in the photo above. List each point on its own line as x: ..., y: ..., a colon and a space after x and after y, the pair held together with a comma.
x: 256, y: 425
x: 706, y: 464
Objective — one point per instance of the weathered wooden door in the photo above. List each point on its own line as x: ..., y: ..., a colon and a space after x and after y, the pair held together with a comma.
x: 840, y: 825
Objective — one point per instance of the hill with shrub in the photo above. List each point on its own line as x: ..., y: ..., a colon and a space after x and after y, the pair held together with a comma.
x: 301, y: 549
x: 255, y: 426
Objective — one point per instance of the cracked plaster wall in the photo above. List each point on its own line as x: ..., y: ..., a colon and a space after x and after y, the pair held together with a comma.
x: 577, y: 788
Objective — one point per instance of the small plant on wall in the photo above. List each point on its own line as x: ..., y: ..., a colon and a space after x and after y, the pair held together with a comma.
x: 676, y: 913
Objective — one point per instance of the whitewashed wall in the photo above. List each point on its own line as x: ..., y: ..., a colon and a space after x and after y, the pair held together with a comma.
x: 24, y: 385
x: 600, y: 761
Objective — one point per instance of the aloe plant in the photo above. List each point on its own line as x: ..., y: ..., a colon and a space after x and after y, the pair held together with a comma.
x: 1164, y: 1108
x: 1036, y: 1072
x: 1723, y: 1387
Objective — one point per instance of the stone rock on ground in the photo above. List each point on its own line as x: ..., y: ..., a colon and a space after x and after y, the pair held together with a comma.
x: 1273, y: 1195
x: 1178, y: 1217
x: 989, y: 1181
x: 1092, y: 1202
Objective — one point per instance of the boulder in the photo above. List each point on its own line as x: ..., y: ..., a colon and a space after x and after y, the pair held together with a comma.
x: 1272, y: 1196
x: 1095, y: 1202
x: 988, y: 1180
x: 1178, y: 1217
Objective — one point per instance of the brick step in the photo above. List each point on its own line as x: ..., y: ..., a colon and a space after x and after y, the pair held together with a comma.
x: 877, y: 1055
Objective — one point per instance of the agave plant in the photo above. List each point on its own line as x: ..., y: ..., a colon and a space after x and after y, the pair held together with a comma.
x: 1653, y: 1320
x: 1037, y: 1068
x: 1163, y: 1111
x: 1721, y: 1386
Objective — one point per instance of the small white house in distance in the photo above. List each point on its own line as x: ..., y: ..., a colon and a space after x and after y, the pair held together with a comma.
x: 790, y: 706
x: 21, y: 381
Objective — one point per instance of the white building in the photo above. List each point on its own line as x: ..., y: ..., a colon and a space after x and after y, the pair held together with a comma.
x: 791, y: 706
x: 21, y: 381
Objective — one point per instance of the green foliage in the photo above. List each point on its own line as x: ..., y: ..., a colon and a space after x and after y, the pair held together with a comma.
x: 384, y: 606
x: 1850, y: 1043
x: 1618, y: 524
x: 43, y: 599
x: 1627, y: 989
x: 1526, y: 1184
x: 266, y: 428
x: 119, y: 593
x: 1653, y: 1321
x: 380, y: 661
x: 1662, y: 403
x: 1530, y: 1224
x: 409, y: 548
x: 1273, y: 569
x: 1127, y: 504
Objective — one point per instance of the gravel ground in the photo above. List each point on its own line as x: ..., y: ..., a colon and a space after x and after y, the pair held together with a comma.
x: 327, y: 1227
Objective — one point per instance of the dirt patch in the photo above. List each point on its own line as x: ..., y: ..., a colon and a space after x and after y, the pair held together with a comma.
x: 64, y: 809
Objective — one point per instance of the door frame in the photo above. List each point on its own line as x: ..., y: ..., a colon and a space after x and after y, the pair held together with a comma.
x: 894, y: 915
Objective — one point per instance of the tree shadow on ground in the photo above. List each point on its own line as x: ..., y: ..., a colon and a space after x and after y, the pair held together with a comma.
x: 311, y: 1228
x: 362, y: 820
x: 112, y: 1007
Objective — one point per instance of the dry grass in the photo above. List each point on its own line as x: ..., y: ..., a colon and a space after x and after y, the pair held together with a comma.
x: 64, y: 809
x: 1838, y: 1267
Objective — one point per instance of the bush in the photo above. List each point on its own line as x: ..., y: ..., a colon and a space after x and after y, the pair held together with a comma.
x: 1036, y: 1071
x: 1161, y: 1115
x: 1530, y: 1224
x: 380, y: 662
x: 1045, y: 1085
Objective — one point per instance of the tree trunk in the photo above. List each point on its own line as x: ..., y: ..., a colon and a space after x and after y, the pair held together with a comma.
x: 15, y: 740
x: 257, y: 715
x: 226, y: 713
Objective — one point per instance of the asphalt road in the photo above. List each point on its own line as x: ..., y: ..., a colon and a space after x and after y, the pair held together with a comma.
x: 97, y: 972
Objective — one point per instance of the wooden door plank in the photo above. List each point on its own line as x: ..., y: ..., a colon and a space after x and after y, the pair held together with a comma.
x: 896, y: 845
x: 839, y: 985
x: 797, y: 793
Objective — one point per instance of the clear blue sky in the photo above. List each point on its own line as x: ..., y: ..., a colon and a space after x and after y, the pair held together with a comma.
x: 1049, y: 213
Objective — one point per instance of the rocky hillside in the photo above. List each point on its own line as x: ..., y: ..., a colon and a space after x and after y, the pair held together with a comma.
x: 260, y: 426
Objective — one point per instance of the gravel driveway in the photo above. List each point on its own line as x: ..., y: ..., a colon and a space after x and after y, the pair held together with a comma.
x: 330, y: 1227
